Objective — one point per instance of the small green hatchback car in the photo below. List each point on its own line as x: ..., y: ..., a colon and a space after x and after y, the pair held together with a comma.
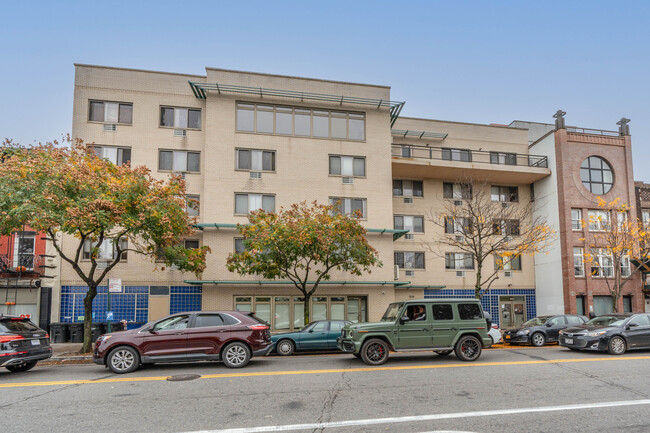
x: 439, y: 325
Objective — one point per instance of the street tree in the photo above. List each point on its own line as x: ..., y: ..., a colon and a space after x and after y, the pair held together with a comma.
x: 101, y: 211
x: 618, y: 241
x: 303, y: 244
x: 486, y: 228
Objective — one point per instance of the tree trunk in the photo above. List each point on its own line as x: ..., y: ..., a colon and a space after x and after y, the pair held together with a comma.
x: 477, y: 287
x: 615, y: 301
x: 88, y: 319
x: 307, y: 298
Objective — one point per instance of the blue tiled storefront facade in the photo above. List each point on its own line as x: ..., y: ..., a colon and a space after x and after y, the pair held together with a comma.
x: 490, y: 301
x: 131, y: 305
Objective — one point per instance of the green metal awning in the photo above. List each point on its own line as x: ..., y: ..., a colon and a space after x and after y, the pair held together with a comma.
x: 643, y: 266
x: 200, y: 91
x: 287, y: 282
x: 408, y: 286
x: 417, y: 134
x: 396, y: 233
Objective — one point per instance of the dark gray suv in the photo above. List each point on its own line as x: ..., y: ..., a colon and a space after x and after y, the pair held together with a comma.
x: 22, y: 344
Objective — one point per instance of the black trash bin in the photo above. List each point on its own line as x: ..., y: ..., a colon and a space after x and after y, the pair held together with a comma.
x: 115, y: 327
x: 76, y: 332
x: 97, y: 330
x: 59, y: 333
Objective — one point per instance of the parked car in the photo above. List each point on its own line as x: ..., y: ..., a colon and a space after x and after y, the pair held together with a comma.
x: 22, y: 344
x: 440, y: 325
x: 613, y: 333
x: 541, y: 330
x: 493, y: 329
x: 319, y: 335
x: 229, y: 336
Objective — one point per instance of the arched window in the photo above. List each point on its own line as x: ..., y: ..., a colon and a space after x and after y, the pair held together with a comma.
x: 596, y: 175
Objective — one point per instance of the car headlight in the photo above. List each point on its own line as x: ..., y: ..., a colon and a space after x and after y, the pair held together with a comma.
x: 595, y: 333
x: 523, y: 332
x: 103, y: 338
x: 562, y: 332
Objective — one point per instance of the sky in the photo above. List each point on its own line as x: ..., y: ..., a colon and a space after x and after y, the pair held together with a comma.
x: 469, y: 61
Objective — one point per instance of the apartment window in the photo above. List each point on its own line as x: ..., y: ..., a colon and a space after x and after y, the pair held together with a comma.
x: 111, y: 112
x: 239, y: 245
x: 627, y: 307
x: 302, y: 122
x: 459, y: 261
x: 596, y: 175
x: 245, y: 203
x: 458, y: 225
x: 578, y: 262
x: 602, y: 263
x: 576, y: 219
x: 645, y: 215
x: 505, y: 158
x: 625, y: 265
x: 407, y: 188
x: 508, y: 263
x: 191, y: 244
x: 106, y: 251
x: 192, y: 205
x: 347, y: 166
x: 621, y: 218
x: 409, y: 260
x: 349, y: 206
x: 175, y: 117
x: 506, y: 227
x: 457, y: 191
x: 449, y: 154
x: 504, y: 193
x: 414, y: 224
x: 178, y: 160
x: 599, y: 220
x: 24, y: 243
x: 255, y: 160
x: 116, y: 155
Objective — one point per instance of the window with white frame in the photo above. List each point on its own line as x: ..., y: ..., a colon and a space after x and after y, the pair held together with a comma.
x: 505, y: 227
x: 245, y: 203
x: 626, y: 269
x: 578, y: 262
x: 178, y: 117
x: 192, y: 204
x: 645, y: 215
x: 507, y: 263
x: 24, y: 243
x: 407, y: 188
x: 110, y: 112
x: 504, y: 193
x: 349, y: 206
x: 602, y: 263
x: 347, y: 166
x: 300, y: 121
x: 179, y: 161
x: 576, y: 219
x: 414, y: 224
x: 449, y: 154
x: 459, y: 261
x: 599, y: 220
x: 621, y: 218
x: 106, y: 250
x: 409, y: 259
x: 116, y: 155
x: 458, y: 226
x: 255, y: 160
x: 457, y: 191
x: 505, y: 158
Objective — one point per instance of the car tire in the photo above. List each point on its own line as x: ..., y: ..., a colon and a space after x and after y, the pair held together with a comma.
x: 616, y: 346
x: 16, y: 368
x: 538, y: 339
x: 285, y: 347
x: 236, y: 355
x: 374, y: 351
x: 443, y: 352
x: 123, y: 359
x: 468, y: 348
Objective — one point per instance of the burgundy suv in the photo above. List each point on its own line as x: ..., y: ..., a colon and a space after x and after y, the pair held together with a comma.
x: 229, y: 336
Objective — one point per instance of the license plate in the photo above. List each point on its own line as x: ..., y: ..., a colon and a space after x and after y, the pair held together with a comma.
x: 507, y: 337
x: 568, y: 340
x: 36, y: 342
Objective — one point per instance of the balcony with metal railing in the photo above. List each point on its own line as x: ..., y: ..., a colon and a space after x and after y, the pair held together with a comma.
x: 21, y: 266
x: 423, y: 161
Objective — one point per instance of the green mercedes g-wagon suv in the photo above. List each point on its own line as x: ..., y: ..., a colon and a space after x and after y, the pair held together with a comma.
x: 439, y: 325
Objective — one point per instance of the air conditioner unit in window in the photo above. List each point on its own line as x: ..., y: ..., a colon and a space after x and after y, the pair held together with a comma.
x: 409, y: 236
x: 110, y: 127
x: 180, y: 132
x: 409, y: 273
x: 180, y: 173
x: 459, y: 238
x: 458, y: 202
x: 102, y: 264
x: 348, y: 180
x: 256, y: 175
x: 507, y: 274
x: 396, y: 271
x: 460, y: 273
x: 505, y: 204
x: 408, y: 200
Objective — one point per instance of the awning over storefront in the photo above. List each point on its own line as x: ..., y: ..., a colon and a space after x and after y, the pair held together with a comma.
x: 396, y: 233
x: 287, y: 282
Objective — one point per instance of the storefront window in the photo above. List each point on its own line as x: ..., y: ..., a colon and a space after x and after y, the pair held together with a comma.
x: 243, y: 304
x: 298, y: 313
x: 263, y: 309
x: 282, y: 319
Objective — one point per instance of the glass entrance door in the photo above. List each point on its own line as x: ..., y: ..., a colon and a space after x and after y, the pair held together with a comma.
x: 512, y: 311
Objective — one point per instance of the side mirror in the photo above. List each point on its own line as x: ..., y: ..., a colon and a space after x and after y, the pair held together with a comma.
x: 548, y: 324
x: 404, y: 319
x: 152, y: 331
x: 632, y: 325
x: 311, y: 330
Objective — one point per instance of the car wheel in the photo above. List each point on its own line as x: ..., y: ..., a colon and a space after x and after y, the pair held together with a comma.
x: 374, y: 351
x: 236, y: 355
x: 538, y: 339
x: 285, y: 347
x: 443, y: 352
x: 468, y: 348
x: 123, y: 359
x: 616, y: 346
x: 16, y: 368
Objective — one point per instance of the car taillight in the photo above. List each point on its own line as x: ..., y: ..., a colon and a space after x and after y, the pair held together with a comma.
x: 8, y: 338
x: 259, y: 327
x: 495, y: 326
x: 47, y: 335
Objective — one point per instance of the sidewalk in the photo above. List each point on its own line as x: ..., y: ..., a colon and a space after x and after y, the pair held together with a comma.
x: 68, y: 353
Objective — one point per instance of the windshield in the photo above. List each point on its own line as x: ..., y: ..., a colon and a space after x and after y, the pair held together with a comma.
x: 17, y: 325
x: 607, y: 321
x: 391, y: 312
x: 537, y: 321
x: 304, y: 328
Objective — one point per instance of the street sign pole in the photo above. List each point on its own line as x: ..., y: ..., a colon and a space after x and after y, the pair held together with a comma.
x: 108, y: 308
x: 114, y: 286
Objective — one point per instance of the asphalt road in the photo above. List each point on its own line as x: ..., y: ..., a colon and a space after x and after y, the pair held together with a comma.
x: 509, y: 390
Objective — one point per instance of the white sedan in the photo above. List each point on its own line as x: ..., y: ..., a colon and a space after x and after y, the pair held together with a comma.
x: 495, y: 334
